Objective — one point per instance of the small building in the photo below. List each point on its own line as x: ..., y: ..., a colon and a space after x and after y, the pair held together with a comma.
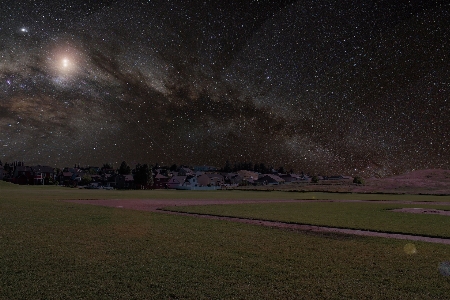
x: 23, y: 175
x: 175, y: 181
x: 210, y: 180
x: 248, y: 175
x: 160, y: 181
x: 42, y: 174
x: 270, y: 179
x: 185, y: 172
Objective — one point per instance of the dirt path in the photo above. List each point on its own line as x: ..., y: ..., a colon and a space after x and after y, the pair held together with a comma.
x: 156, y: 205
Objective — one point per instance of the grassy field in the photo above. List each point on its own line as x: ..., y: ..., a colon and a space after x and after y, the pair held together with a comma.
x: 366, y: 216
x: 51, y: 249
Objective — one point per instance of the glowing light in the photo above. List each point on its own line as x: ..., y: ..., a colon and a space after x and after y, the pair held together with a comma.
x: 65, y: 63
x: 24, y: 30
x: 65, y: 60
x: 410, y: 249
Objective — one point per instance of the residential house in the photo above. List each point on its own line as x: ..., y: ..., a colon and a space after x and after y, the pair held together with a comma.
x: 233, y: 178
x: 185, y: 172
x: 23, y: 175
x: 210, y: 180
x: 175, y: 181
x: 270, y: 179
x: 294, y: 178
x: 66, y: 178
x: 248, y: 175
x: 160, y: 181
x: 43, y: 174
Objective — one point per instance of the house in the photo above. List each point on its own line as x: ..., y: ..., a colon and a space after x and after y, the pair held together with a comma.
x: 191, y: 183
x: 185, y: 172
x: 175, y: 181
x: 210, y: 180
x: 233, y: 178
x: 43, y: 174
x: 65, y: 178
x: 23, y: 175
x: 160, y: 181
x: 247, y: 175
x: 294, y: 178
x: 270, y: 179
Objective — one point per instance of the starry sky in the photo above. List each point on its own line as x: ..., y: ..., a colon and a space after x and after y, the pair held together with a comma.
x: 352, y: 86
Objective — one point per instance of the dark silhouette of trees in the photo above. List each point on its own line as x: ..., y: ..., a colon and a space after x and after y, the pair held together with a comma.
x: 143, y: 175
x: 86, y: 179
x: 227, y: 167
x: 358, y: 180
x: 124, y: 169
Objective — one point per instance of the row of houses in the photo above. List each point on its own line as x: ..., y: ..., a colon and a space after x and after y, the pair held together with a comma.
x: 183, y: 178
x: 28, y: 175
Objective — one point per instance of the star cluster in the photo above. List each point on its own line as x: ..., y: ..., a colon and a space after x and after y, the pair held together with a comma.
x: 358, y: 87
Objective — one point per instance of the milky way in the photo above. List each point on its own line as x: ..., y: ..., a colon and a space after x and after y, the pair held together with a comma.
x: 356, y: 87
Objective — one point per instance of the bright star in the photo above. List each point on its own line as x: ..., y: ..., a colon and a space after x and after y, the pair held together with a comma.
x: 65, y: 63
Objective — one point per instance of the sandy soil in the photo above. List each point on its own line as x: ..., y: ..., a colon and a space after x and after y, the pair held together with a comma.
x: 155, y: 205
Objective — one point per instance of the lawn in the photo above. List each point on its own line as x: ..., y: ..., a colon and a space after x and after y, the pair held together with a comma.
x: 51, y: 249
x: 365, y: 216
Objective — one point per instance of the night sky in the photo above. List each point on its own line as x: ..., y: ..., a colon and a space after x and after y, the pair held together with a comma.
x: 354, y: 87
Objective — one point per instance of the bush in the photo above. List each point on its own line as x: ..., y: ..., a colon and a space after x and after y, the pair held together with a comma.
x: 358, y: 180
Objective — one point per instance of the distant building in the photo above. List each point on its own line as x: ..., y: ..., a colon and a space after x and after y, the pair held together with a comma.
x: 43, y: 174
x: 175, y: 181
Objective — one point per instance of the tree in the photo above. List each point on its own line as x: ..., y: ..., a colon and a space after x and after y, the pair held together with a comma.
x: 173, y: 167
x: 358, y: 180
x: 86, y: 179
x: 107, y: 166
x: 7, y: 167
x: 124, y: 169
x: 227, y: 167
x: 143, y: 175
x: 315, y: 179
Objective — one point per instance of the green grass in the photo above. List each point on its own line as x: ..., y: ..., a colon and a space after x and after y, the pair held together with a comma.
x: 57, y: 250
x: 366, y: 216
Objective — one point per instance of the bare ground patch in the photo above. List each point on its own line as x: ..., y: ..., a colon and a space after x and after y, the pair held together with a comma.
x: 419, y: 210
